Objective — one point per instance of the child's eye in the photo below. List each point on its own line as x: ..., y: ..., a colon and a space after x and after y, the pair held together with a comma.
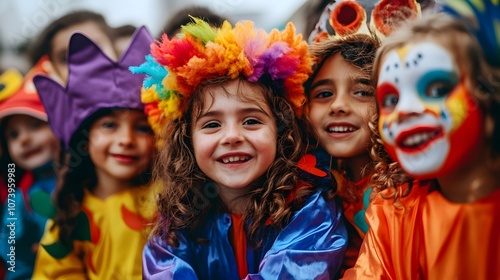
x: 108, y: 124
x: 251, y: 121
x: 12, y: 134
x: 36, y: 124
x: 210, y: 125
x: 390, y: 101
x: 387, y: 97
x: 144, y: 129
x: 439, y: 90
x: 364, y: 93
x: 323, y: 94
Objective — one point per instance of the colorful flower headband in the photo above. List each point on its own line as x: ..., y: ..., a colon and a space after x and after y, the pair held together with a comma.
x: 177, y: 66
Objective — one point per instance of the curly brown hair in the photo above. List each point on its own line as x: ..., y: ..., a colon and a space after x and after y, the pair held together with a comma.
x: 187, y: 196
x: 482, y: 81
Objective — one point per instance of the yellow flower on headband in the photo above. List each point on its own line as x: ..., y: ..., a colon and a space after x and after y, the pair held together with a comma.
x: 177, y: 66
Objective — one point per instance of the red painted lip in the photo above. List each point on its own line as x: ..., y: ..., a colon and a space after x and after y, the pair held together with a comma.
x: 434, y: 134
x: 124, y: 158
x: 341, y: 135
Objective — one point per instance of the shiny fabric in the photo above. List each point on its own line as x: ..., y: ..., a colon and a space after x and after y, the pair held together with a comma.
x: 311, y: 246
x: 27, y: 223
x: 108, y: 240
x: 427, y: 237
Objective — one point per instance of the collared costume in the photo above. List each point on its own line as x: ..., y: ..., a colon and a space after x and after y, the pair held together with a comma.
x: 311, y: 246
x: 107, y: 241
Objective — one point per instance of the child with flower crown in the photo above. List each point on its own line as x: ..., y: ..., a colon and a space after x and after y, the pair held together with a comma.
x: 101, y: 197
x: 439, y: 103
x: 232, y: 204
x: 341, y: 104
x: 29, y: 149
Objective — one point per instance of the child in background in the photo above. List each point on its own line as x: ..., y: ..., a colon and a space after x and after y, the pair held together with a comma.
x: 121, y: 37
x: 232, y: 204
x: 98, y: 230
x: 341, y: 106
x: 439, y: 104
x: 53, y: 40
x: 183, y: 17
x: 28, y: 176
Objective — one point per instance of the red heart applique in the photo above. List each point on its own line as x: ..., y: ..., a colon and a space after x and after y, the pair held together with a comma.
x: 308, y: 164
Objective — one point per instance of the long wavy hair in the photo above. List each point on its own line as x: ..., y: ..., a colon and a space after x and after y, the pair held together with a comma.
x: 359, y: 50
x: 187, y: 196
x: 77, y: 173
x: 482, y: 81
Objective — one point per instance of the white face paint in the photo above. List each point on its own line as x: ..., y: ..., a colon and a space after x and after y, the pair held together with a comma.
x: 422, y: 103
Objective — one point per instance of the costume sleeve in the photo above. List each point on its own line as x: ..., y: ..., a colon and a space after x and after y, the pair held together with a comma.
x: 388, y: 248
x: 370, y: 264
x: 53, y: 261
x: 161, y: 263
x: 312, y: 246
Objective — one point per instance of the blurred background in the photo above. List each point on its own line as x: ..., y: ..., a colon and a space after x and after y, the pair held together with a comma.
x: 22, y: 20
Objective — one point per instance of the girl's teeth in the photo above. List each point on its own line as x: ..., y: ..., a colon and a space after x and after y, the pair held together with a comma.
x: 341, y: 129
x: 418, y: 139
x: 234, y: 159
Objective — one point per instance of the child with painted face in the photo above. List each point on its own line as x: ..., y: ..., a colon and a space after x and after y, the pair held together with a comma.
x: 341, y: 105
x: 438, y: 98
x: 232, y: 205
x: 29, y: 149
x: 101, y: 198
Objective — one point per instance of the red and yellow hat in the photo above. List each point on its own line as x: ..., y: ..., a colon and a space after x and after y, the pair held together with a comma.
x: 19, y: 96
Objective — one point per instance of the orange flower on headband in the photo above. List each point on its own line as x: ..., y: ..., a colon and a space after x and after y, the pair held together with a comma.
x: 177, y: 66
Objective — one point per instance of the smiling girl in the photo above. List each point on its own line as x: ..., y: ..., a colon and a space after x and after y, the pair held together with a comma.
x: 101, y: 198
x: 232, y: 205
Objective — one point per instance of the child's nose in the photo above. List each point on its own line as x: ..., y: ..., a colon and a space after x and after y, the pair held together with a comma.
x: 24, y: 136
x: 409, y: 106
x: 126, y: 136
x: 340, y: 105
x: 233, y: 135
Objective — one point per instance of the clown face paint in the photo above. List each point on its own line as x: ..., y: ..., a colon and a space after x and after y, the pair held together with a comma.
x: 428, y: 121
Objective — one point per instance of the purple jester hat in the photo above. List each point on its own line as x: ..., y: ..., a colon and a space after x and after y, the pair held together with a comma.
x: 95, y: 82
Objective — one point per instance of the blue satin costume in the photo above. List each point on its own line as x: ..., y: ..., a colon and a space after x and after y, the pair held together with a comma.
x: 311, y: 246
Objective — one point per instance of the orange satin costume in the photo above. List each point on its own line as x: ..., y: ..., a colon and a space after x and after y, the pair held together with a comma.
x: 427, y: 237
